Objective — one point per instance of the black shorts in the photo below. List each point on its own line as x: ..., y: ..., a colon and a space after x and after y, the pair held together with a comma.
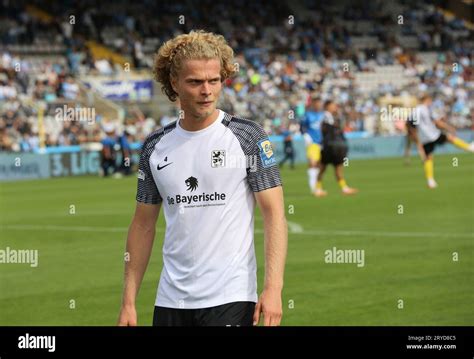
x: 430, y: 146
x: 233, y: 314
x: 333, y: 156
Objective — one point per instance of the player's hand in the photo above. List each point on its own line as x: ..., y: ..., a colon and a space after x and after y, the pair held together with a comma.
x: 127, y: 317
x: 269, y: 304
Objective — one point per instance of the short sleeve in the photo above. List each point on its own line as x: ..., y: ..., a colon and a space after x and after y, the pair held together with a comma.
x: 147, y: 192
x: 262, y: 172
x: 266, y: 173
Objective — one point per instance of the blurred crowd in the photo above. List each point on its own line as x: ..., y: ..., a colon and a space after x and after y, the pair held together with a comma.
x: 284, y: 61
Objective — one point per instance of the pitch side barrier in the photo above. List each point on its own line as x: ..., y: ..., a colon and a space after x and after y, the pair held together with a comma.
x: 77, y: 161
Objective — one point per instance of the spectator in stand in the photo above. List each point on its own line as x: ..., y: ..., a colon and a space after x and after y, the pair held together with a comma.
x: 288, y: 149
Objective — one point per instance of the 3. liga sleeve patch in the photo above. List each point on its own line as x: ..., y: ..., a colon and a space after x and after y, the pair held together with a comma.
x: 266, y: 153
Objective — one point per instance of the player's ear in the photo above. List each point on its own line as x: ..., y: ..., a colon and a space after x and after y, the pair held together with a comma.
x: 173, y: 82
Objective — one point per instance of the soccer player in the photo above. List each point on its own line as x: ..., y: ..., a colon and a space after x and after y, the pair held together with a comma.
x: 190, y: 168
x: 430, y: 134
x: 288, y: 148
x: 334, y: 150
x: 311, y: 128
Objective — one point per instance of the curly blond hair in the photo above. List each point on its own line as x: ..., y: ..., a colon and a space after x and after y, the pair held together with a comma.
x: 197, y: 45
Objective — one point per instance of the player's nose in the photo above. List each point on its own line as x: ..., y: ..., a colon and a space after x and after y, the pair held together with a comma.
x: 205, y: 89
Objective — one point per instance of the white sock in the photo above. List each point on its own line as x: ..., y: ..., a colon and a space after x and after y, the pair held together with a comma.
x: 312, y: 178
x: 432, y: 183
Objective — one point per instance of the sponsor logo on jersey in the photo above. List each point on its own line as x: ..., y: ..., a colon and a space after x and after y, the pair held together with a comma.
x: 163, y: 165
x: 196, y: 200
x: 192, y: 183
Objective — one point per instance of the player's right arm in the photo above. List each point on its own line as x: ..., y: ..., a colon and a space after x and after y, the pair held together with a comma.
x: 141, y: 235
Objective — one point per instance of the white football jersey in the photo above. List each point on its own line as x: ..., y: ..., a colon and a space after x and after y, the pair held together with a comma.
x: 427, y: 130
x: 205, y: 181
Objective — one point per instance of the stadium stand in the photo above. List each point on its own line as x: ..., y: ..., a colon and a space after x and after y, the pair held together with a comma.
x: 51, y: 52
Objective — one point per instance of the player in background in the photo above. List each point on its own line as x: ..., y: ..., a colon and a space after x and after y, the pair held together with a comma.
x: 311, y: 129
x: 430, y: 128
x: 288, y: 148
x: 334, y: 149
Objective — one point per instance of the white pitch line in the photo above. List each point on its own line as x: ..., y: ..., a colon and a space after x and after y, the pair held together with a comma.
x: 294, y: 228
x: 28, y: 227
x: 386, y: 234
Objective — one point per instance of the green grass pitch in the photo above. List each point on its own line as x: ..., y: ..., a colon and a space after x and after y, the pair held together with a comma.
x: 408, y: 256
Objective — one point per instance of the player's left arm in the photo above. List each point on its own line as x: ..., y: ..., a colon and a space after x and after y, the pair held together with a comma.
x: 270, y: 202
